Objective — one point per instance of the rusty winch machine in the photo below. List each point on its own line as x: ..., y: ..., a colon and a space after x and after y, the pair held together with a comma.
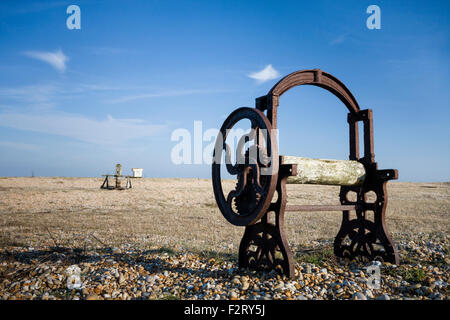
x: 262, y: 174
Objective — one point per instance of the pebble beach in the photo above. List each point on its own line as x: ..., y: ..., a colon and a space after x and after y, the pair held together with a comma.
x: 49, y: 267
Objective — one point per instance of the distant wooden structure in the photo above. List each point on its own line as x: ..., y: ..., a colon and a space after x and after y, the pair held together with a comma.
x: 118, y: 183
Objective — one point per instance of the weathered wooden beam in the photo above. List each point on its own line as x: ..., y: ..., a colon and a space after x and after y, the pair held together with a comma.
x: 326, y: 172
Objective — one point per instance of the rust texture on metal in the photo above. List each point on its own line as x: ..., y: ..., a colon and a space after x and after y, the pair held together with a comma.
x: 251, y: 204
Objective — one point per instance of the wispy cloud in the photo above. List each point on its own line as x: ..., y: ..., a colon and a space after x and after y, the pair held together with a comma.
x: 339, y: 39
x: 167, y: 93
x: 48, y: 95
x: 56, y: 59
x: 45, y: 96
x: 266, y: 74
x: 109, y: 131
x: 18, y: 145
x: 41, y: 96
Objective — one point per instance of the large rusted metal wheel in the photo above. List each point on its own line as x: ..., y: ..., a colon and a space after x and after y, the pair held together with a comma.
x: 255, y: 168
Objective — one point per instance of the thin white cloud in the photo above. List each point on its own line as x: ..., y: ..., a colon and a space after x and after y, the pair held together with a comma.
x: 18, y: 145
x: 110, y: 131
x: 56, y: 59
x: 49, y: 91
x: 40, y: 96
x: 266, y: 74
x: 46, y: 96
x: 339, y: 39
x: 170, y: 93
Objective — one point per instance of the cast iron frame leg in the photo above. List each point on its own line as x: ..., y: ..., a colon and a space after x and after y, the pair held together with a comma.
x: 364, y: 237
x: 264, y: 246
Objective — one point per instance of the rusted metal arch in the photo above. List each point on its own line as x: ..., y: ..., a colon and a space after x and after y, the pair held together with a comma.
x: 319, y: 78
x: 314, y: 77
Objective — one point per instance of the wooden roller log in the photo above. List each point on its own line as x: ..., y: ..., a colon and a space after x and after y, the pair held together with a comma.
x: 326, y: 172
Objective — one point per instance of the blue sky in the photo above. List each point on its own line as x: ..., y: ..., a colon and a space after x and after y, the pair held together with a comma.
x: 75, y: 102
